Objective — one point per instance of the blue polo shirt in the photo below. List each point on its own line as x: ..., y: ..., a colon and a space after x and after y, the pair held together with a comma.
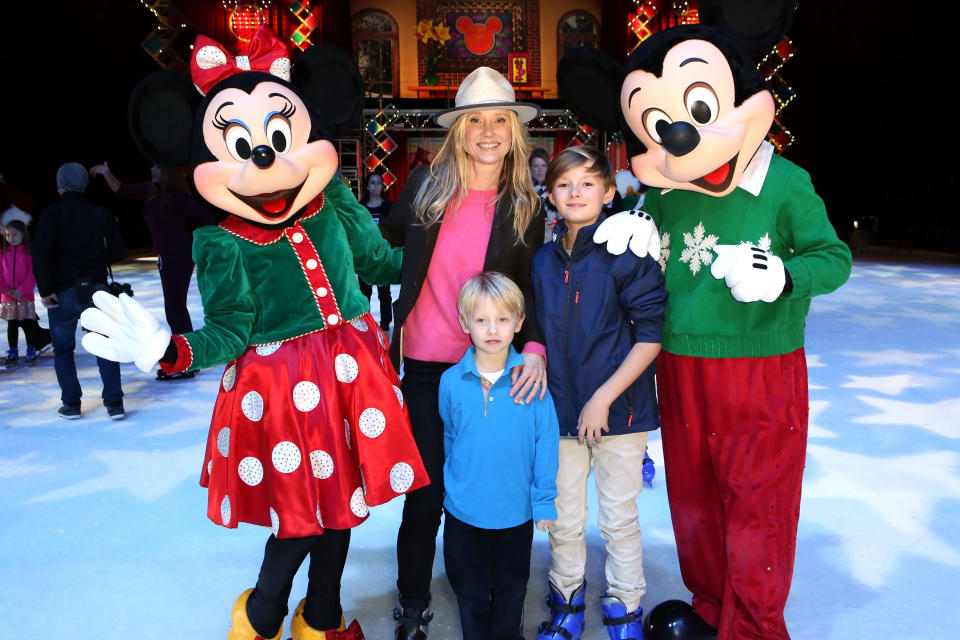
x: 501, y: 459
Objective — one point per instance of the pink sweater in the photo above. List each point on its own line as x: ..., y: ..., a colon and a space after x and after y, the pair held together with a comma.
x: 16, y: 272
x: 432, y: 331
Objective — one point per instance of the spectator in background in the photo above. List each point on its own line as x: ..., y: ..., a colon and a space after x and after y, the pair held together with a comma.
x: 171, y: 215
x: 539, y: 159
x: 75, y: 242
x: 372, y: 199
x: 17, y: 285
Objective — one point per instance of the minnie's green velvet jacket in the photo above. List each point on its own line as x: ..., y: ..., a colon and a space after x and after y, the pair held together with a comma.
x: 261, y: 286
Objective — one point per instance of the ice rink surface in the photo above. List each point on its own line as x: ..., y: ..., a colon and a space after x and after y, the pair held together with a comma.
x: 103, y: 532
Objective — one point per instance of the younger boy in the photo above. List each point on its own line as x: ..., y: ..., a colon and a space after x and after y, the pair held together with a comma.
x: 501, y: 465
x: 602, y: 316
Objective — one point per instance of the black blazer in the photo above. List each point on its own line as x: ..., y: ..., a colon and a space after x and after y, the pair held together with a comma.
x: 401, y: 228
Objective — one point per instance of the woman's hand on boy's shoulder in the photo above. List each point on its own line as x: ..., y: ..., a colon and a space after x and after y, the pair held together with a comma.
x: 529, y: 379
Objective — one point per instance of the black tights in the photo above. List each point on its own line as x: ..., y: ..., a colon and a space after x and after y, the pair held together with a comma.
x: 282, y: 557
x: 417, y: 537
x: 36, y: 335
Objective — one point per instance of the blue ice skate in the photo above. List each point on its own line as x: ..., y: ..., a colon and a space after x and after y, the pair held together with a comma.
x: 649, y: 471
x: 566, y: 618
x: 620, y: 624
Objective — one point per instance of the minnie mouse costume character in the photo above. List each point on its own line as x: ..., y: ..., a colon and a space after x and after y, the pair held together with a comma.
x: 732, y: 378
x: 309, y: 426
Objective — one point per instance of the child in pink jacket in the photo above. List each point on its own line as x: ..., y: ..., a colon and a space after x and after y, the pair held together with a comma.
x: 17, y: 291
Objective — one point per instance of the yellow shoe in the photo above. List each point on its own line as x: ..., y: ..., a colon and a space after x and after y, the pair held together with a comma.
x: 241, y: 629
x: 303, y: 631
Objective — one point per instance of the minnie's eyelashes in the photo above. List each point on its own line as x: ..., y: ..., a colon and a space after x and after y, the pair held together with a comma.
x: 219, y: 122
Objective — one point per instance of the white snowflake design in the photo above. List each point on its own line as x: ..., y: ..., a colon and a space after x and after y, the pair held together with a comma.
x: 763, y: 242
x: 664, y: 251
x: 699, y: 249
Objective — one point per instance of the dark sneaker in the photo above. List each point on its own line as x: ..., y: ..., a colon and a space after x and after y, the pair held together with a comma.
x: 116, y: 412
x: 69, y: 412
x: 183, y: 375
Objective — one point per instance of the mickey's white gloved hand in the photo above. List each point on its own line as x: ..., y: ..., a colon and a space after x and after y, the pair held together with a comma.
x: 122, y: 330
x: 634, y: 227
x: 751, y: 273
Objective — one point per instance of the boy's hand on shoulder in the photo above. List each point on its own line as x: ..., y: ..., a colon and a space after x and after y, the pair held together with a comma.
x: 543, y: 525
x: 593, y: 421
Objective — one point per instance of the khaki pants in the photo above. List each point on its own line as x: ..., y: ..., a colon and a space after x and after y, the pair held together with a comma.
x: 617, y: 462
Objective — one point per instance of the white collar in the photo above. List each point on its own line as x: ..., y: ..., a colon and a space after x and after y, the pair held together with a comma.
x: 756, y: 172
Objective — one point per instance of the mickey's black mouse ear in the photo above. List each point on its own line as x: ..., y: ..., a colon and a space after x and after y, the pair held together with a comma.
x: 160, y: 114
x: 759, y: 24
x: 589, y: 82
x: 330, y: 82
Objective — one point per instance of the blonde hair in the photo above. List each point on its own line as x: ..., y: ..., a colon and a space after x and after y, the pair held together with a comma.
x: 573, y: 157
x: 492, y: 285
x: 450, y: 173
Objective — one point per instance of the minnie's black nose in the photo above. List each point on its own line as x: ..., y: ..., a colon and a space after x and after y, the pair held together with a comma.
x: 263, y: 156
x: 679, y: 138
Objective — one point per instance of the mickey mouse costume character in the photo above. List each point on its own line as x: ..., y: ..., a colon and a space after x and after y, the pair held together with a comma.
x: 732, y: 376
x: 309, y: 426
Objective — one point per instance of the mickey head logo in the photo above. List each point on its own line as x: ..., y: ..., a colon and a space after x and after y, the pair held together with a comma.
x: 479, y: 38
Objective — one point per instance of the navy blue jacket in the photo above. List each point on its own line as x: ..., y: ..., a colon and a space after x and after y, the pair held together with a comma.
x: 593, y: 307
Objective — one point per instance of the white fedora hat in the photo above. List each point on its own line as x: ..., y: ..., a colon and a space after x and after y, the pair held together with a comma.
x: 483, y: 89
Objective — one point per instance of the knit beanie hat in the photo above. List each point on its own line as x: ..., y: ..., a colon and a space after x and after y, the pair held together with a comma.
x: 72, y: 177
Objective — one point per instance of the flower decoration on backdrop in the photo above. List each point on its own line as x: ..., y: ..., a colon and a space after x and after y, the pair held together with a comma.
x: 434, y: 35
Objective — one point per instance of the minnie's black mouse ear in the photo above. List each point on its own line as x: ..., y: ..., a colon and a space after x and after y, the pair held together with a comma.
x: 330, y: 82
x: 759, y: 24
x: 589, y: 82
x: 160, y: 114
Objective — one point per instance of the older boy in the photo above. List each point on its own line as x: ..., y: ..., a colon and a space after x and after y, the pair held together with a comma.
x: 602, y: 316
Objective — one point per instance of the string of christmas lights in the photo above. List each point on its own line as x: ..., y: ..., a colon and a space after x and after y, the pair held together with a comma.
x: 308, y: 18
x: 385, y: 145
x: 158, y: 44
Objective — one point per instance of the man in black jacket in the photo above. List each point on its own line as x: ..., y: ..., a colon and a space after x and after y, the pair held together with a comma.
x: 75, y: 242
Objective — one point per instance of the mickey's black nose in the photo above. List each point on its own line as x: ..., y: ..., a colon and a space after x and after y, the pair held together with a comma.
x: 263, y: 156
x: 679, y: 138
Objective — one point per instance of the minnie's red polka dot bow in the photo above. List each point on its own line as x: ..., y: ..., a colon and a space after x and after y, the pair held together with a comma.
x: 211, y: 62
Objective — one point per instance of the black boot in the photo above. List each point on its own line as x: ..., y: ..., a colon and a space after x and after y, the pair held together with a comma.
x: 412, y: 622
x: 676, y: 620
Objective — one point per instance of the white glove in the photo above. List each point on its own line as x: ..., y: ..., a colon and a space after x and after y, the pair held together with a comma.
x: 124, y: 331
x: 635, y: 227
x: 751, y: 273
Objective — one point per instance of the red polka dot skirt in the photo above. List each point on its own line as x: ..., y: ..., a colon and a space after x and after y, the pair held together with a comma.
x: 308, y: 433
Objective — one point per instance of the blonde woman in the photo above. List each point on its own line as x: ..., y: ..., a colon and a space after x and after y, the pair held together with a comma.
x: 473, y: 210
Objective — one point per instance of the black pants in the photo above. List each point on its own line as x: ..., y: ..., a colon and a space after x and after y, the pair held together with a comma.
x: 175, y: 272
x: 488, y: 570
x: 36, y: 335
x: 267, y: 605
x: 383, y: 294
x: 417, y: 538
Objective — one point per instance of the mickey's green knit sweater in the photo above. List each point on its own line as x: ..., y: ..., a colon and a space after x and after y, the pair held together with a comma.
x: 788, y: 219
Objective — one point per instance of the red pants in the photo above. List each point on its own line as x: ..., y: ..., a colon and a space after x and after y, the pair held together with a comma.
x: 734, y: 445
